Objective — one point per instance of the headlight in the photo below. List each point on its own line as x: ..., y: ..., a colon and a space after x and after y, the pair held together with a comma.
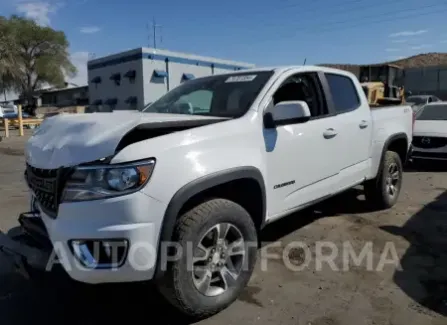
x: 104, y: 181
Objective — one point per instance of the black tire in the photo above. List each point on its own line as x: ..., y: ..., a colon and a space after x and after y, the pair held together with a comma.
x: 376, y: 190
x: 177, y: 284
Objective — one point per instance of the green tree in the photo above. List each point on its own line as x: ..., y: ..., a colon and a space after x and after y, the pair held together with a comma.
x: 7, y: 57
x: 41, y: 56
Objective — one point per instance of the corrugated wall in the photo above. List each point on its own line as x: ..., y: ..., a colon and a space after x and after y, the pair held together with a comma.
x: 429, y: 80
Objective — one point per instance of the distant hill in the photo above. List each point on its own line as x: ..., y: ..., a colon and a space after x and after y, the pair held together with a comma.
x: 422, y: 60
x: 415, y: 61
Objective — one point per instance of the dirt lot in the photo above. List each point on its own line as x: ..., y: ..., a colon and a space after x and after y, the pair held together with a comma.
x: 416, y: 294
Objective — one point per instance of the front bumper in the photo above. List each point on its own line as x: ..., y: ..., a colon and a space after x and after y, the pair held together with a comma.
x: 134, y: 219
x: 429, y: 154
x: 29, y: 246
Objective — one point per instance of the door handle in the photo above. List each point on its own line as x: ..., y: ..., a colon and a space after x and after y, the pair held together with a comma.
x: 363, y: 124
x: 329, y: 133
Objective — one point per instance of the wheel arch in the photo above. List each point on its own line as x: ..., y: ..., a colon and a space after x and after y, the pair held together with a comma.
x: 397, y: 143
x: 201, y: 185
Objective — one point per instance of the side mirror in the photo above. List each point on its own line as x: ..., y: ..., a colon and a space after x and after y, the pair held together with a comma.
x: 290, y: 112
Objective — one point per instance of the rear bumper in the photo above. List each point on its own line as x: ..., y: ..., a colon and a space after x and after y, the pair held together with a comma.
x: 29, y: 247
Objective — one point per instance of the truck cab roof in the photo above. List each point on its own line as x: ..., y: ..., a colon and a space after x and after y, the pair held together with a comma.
x: 281, y: 69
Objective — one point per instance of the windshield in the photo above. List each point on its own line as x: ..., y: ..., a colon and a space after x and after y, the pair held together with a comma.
x: 229, y: 95
x: 433, y: 112
x: 417, y: 100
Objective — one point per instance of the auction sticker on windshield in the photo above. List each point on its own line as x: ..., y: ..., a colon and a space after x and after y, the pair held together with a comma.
x: 247, y: 78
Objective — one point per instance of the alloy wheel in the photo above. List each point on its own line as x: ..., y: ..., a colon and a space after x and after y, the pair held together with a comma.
x: 218, y: 259
x: 392, y: 180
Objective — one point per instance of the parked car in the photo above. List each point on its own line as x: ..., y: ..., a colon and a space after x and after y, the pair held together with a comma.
x: 267, y: 143
x: 10, y: 111
x: 417, y: 101
x: 430, y: 133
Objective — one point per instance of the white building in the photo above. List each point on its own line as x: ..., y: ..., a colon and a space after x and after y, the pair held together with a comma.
x: 132, y: 79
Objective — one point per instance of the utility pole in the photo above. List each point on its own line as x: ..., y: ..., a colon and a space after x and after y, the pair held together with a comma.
x: 154, y: 32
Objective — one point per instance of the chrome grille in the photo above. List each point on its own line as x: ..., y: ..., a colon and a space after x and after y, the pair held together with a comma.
x: 47, y: 185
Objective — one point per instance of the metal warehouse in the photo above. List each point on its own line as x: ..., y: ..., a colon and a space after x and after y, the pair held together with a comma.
x: 132, y: 79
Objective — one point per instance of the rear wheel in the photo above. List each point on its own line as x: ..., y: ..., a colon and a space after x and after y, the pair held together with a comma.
x: 383, y: 191
x: 222, y: 240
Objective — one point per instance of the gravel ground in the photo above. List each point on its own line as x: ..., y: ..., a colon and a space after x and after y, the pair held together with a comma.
x: 412, y: 292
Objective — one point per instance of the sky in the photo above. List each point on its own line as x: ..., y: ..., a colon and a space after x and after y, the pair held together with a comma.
x: 262, y: 32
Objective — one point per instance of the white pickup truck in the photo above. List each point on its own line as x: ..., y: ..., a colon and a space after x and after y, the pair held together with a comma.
x: 178, y: 192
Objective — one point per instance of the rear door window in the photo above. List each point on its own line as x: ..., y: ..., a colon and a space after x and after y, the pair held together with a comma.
x: 344, y: 93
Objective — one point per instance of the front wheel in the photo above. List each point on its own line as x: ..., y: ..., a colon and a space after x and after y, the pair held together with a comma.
x: 383, y: 191
x: 219, y: 244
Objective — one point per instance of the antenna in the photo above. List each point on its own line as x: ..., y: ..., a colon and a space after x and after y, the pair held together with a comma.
x: 161, y: 34
x: 154, y: 33
x: 148, y: 35
x: 305, y: 59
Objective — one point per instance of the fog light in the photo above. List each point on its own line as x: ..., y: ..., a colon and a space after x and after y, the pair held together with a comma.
x: 100, y: 254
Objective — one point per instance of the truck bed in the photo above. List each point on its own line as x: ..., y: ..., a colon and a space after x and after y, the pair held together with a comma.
x: 396, y: 117
x: 387, y: 106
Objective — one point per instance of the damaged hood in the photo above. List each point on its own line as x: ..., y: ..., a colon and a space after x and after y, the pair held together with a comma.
x: 68, y: 140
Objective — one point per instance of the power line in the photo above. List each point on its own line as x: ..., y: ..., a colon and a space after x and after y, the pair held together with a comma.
x: 320, y: 26
x: 352, y: 24
x: 307, y: 12
x: 282, y: 7
x: 387, y: 14
x: 368, y: 6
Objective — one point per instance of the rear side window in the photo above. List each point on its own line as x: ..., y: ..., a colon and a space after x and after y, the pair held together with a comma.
x: 344, y: 94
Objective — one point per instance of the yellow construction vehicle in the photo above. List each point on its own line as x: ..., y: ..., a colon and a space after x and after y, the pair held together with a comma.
x: 382, y: 84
